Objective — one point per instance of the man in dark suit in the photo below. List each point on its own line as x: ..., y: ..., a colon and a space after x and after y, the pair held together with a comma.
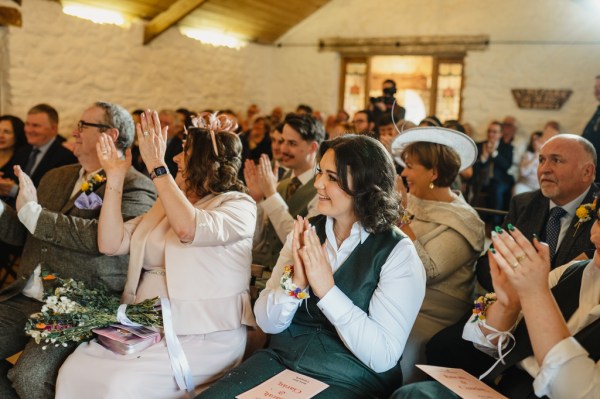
x: 566, y: 173
x: 44, y: 151
x: 60, y: 236
x: 563, y: 184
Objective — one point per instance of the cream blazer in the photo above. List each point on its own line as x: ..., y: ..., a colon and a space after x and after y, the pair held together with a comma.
x: 208, y: 278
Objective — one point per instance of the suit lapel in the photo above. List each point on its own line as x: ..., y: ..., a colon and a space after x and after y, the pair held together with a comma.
x: 575, y: 235
x: 71, y: 203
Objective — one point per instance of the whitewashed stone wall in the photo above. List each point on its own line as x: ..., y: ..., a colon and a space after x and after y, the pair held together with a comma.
x: 70, y: 62
x: 489, y: 75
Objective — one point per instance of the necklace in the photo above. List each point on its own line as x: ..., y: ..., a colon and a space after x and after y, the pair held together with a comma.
x: 338, y: 239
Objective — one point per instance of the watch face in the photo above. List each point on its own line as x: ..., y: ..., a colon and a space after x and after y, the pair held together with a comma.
x: 161, y: 170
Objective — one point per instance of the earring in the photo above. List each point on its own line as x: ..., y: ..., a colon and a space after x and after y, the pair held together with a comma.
x: 431, y: 186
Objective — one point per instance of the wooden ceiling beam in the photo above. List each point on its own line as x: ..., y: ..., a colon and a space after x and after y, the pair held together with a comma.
x: 10, y: 16
x: 163, y: 21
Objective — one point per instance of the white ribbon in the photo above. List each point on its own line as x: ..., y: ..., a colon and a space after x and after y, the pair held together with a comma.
x: 500, y: 335
x: 179, y: 363
x: 122, y: 317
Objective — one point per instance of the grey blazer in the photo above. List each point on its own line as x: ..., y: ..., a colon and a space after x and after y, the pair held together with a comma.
x: 66, y: 237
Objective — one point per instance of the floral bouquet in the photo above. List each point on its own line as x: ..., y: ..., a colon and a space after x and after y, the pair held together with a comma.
x: 71, y: 311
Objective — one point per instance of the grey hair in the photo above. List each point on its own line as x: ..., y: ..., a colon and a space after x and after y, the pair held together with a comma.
x: 586, y: 145
x: 120, y: 119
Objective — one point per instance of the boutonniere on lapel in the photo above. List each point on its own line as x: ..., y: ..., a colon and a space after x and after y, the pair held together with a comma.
x: 88, y: 199
x: 585, y: 213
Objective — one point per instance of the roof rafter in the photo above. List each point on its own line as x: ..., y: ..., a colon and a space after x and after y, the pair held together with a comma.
x: 163, y: 21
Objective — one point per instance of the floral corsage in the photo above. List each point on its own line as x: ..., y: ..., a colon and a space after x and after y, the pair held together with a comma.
x: 481, y: 305
x: 88, y: 199
x: 585, y: 213
x: 289, y: 287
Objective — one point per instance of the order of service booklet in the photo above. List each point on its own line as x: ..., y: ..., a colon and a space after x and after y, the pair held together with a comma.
x: 286, y: 385
x: 461, y: 383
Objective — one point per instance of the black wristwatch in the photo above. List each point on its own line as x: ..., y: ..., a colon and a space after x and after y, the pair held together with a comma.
x: 158, y: 172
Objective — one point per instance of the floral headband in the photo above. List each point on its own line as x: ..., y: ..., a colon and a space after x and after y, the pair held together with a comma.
x: 214, y: 123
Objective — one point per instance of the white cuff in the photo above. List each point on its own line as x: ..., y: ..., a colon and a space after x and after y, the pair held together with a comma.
x: 273, y: 202
x: 29, y: 215
x: 556, y: 357
x: 1, y: 208
x: 335, y: 305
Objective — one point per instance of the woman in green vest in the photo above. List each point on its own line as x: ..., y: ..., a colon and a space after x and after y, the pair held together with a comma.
x: 347, y: 287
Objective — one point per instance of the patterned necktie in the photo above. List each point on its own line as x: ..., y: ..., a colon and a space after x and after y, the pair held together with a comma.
x: 292, y: 187
x: 31, y: 161
x: 553, y: 229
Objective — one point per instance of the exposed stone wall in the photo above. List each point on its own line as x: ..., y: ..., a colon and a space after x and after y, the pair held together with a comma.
x: 71, y: 62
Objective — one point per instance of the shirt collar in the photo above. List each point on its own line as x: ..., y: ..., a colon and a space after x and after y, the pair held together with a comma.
x: 44, y: 148
x: 572, y: 206
x: 306, y: 176
x: 357, y: 231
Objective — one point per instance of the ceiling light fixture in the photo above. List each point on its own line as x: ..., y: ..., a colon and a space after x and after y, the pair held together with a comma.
x: 94, y: 14
x: 213, y: 38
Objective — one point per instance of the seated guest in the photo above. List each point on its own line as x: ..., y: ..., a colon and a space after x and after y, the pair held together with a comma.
x: 44, y: 151
x: 446, y: 231
x: 551, y: 362
x: 491, y: 184
x: 361, y: 277
x: 59, y: 232
x: 194, y: 247
x: 12, y: 138
x: 280, y: 202
x: 364, y: 123
x: 528, y: 166
x: 276, y: 136
x: 256, y: 141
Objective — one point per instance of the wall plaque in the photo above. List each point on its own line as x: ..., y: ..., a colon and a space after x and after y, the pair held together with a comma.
x: 541, y: 98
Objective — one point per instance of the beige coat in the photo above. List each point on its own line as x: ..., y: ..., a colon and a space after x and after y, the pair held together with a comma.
x: 207, y: 279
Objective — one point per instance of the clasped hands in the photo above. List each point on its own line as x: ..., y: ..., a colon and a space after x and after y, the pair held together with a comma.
x: 311, y: 263
x: 518, y: 267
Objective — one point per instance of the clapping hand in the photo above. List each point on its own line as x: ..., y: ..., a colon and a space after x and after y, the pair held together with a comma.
x: 316, y: 263
x: 152, y: 140
x: 300, y: 226
x: 525, y: 266
x: 111, y: 162
x: 251, y: 178
x: 27, y: 190
x: 267, y: 177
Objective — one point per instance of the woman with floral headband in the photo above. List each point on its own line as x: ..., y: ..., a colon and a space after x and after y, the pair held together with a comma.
x: 193, y: 247
x: 346, y: 288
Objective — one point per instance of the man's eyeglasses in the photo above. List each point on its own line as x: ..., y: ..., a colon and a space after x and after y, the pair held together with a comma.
x: 82, y: 124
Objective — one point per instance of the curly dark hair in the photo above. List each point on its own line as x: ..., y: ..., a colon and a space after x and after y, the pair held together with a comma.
x: 207, y: 173
x: 375, y: 200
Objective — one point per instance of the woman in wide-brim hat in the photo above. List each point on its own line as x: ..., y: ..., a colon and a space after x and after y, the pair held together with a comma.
x: 447, y: 232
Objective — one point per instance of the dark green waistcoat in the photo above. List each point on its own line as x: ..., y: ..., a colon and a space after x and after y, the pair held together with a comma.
x: 311, y: 344
x: 266, y: 251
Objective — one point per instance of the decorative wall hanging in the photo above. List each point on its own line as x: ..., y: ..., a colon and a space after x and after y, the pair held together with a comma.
x: 541, y: 98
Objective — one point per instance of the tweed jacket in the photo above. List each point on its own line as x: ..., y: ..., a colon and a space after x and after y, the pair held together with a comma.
x: 66, y: 237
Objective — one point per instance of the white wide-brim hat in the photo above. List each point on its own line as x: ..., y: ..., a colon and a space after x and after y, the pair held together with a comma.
x: 459, y: 142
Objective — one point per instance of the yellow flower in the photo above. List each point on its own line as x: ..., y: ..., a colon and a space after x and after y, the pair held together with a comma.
x: 582, y: 212
x: 85, y: 186
x: 98, y: 178
x: 301, y: 295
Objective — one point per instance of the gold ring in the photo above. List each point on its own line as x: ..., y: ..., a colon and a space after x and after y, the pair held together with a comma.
x: 515, y: 265
x: 145, y: 134
x: 520, y: 258
x: 104, y: 152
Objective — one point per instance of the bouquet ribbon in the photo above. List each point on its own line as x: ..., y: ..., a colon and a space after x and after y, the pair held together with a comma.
x: 179, y: 363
